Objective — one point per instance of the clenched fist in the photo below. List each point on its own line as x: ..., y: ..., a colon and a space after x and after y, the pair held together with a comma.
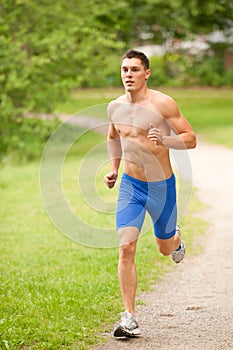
x: 154, y: 134
x: 110, y: 179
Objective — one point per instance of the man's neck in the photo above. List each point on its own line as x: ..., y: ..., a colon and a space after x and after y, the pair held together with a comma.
x: 136, y: 96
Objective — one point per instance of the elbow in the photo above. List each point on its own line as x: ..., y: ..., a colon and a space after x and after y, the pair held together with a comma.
x: 193, y: 142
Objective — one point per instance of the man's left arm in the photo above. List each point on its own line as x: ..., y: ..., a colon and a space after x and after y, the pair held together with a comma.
x: 184, y: 137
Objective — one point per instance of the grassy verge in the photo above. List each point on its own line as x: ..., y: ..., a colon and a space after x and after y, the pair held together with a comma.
x: 56, y: 294
x: 209, y: 110
x: 85, y: 98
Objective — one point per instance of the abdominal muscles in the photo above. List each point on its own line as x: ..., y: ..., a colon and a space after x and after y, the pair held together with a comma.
x: 145, y: 160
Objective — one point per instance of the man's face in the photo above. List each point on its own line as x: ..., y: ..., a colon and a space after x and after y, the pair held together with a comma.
x: 133, y: 74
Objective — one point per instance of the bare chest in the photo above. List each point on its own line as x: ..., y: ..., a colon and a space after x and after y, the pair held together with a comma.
x: 135, y: 120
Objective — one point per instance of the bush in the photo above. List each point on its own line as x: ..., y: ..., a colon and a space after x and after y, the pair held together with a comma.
x: 27, y: 138
x: 159, y: 75
x: 210, y: 71
x: 180, y: 69
x: 47, y: 48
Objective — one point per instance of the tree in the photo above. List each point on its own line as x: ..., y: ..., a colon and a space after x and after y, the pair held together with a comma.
x: 179, y: 18
x: 48, y: 47
x: 207, y: 16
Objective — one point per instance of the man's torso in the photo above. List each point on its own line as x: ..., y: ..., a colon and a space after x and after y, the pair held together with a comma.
x: 143, y: 159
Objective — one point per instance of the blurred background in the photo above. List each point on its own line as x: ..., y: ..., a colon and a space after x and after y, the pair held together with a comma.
x: 60, y: 58
x: 48, y: 48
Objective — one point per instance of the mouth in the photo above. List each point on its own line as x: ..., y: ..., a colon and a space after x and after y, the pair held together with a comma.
x: 129, y: 82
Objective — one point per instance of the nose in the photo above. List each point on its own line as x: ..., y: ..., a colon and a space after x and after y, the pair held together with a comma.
x: 129, y: 73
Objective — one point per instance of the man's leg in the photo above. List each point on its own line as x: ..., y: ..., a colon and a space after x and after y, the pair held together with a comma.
x: 167, y: 246
x: 127, y: 274
x: 128, y: 237
x: 166, y: 231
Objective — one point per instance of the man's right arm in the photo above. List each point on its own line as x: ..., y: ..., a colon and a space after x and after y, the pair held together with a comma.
x: 115, y: 152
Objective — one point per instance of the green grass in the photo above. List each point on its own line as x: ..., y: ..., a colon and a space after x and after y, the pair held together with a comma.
x: 209, y: 110
x: 56, y: 294
x: 79, y: 100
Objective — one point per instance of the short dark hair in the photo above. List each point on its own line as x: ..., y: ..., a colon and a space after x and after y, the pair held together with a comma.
x: 137, y: 54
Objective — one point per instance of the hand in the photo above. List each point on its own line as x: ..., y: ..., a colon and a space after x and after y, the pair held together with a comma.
x: 154, y: 134
x: 110, y: 179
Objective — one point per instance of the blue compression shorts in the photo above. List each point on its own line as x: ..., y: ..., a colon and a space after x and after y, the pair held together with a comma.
x: 157, y: 198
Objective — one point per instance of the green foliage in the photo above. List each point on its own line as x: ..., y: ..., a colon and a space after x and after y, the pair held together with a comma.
x: 206, y: 16
x: 44, y: 52
x: 182, y: 70
x: 28, y: 138
x: 46, y: 48
x: 179, y: 18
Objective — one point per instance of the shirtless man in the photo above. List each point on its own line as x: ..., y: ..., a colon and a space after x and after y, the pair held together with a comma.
x: 140, y: 124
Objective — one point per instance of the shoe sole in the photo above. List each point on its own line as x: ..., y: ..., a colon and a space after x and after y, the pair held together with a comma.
x: 121, y: 332
x: 179, y: 256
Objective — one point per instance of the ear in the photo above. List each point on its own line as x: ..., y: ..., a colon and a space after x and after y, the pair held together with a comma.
x: 147, y: 74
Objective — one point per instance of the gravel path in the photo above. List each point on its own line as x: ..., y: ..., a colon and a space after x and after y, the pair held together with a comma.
x: 192, y: 307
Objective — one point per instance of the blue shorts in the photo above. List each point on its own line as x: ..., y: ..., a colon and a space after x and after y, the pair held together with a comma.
x: 157, y: 198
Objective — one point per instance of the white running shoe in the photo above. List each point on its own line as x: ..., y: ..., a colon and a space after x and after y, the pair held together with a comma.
x: 178, y: 255
x: 128, y: 326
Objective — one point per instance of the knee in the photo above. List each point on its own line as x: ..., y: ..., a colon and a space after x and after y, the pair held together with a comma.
x: 127, y: 252
x: 165, y: 251
x: 167, y: 246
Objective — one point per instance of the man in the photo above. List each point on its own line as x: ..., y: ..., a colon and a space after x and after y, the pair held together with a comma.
x: 140, y: 124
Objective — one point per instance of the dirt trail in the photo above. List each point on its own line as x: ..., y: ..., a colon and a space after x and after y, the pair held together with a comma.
x: 192, y: 307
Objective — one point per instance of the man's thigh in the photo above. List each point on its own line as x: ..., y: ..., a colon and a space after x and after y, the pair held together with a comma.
x: 128, y: 234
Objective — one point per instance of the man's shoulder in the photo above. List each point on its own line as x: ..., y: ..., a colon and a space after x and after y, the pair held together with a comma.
x: 121, y: 98
x: 163, y: 102
x: 115, y: 103
x: 161, y: 96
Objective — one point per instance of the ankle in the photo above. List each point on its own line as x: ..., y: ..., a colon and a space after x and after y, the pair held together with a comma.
x: 130, y: 311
